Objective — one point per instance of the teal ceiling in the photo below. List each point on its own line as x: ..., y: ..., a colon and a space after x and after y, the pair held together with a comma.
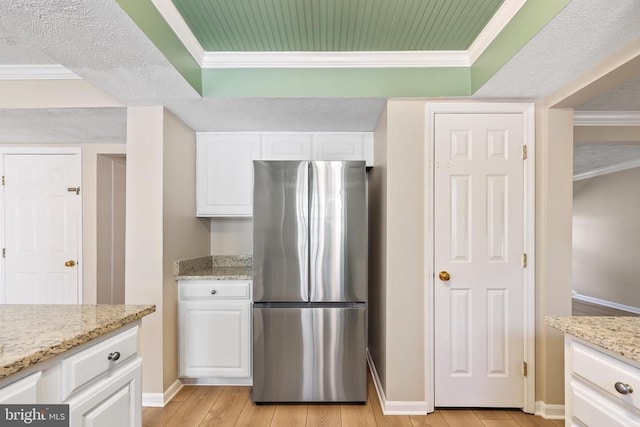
x: 336, y: 25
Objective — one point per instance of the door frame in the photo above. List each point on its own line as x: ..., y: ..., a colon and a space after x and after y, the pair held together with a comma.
x: 527, y: 110
x: 77, y: 151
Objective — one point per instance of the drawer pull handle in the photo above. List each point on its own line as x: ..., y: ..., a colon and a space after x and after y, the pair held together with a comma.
x: 623, y: 388
x: 213, y: 291
x: 114, y: 356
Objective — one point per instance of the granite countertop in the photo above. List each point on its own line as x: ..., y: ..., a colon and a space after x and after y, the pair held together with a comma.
x: 620, y: 335
x: 33, y: 333
x: 215, y: 267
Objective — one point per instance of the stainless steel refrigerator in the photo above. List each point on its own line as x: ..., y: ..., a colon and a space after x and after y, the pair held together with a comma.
x: 309, y: 281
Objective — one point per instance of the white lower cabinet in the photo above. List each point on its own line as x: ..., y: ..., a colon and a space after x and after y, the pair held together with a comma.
x: 111, y: 401
x: 215, y: 331
x: 101, y: 381
x: 599, y: 387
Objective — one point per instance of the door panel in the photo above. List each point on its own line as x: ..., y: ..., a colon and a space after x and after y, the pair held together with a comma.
x: 338, y: 232
x: 41, y: 228
x: 309, y: 354
x: 479, y: 240
x: 280, y: 231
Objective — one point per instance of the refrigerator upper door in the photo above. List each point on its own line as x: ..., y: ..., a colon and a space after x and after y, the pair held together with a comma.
x: 280, y: 236
x: 338, y: 232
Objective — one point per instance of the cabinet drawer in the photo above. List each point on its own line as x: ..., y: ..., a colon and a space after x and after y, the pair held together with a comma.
x: 88, y: 364
x: 213, y: 289
x: 594, y: 409
x: 605, y: 371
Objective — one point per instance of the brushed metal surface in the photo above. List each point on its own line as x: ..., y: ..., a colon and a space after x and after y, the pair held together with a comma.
x: 309, y: 354
x: 338, y: 232
x: 280, y: 236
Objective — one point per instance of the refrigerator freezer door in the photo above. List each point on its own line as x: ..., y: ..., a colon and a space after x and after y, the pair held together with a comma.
x: 309, y: 354
x: 338, y: 232
x: 280, y: 231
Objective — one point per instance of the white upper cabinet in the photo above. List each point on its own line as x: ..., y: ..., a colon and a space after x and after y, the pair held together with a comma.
x: 286, y: 146
x: 343, y: 146
x: 224, y: 171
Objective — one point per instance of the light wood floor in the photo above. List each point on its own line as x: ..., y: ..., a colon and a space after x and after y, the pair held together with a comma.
x: 583, y: 308
x: 231, y: 406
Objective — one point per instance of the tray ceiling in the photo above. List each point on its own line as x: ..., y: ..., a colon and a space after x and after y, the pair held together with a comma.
x: 330, y: 25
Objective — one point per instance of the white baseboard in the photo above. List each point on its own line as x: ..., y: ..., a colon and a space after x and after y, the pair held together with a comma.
x: 550, y: 412
x: 159, y: 400
x: 606, y: 303
x: 390, y: 407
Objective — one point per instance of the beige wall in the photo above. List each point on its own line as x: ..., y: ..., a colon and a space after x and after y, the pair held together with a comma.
x: 606, y: 233
x: 144, y: 240
x: 231, y: 236
x: 554, y: 180
x: 52, y: 94
x: 161, y: 228
x: 377, y: 222
x: 184, y: 236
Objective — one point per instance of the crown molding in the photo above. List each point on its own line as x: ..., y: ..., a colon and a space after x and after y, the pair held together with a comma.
x: 496, y: 24
x: 36, y: 72
x: 180, y: 28
x: 393, y: 59
x: 606, y: 118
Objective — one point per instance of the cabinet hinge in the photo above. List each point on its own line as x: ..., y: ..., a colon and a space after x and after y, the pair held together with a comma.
x: 524, y: 152
x: 524, y: 260
x: 524, y: 368
x: 74, y: 190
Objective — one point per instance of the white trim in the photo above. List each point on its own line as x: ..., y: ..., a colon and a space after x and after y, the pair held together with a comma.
x: 338, y: 59
x: 497, y: 23
x: 36, y: 72
x: 394, y: 407
x: 180, y: 28
x: 607, y: 170
x: 528, y: 111
x: 389, y: 59
x: 606, y: 118
x: 549, y: 411
x: 606, y: 303
x: 160, y: 400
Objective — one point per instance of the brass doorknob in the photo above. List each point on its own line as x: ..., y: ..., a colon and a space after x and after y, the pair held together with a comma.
x: 70, y: 263
x: 444, y: 276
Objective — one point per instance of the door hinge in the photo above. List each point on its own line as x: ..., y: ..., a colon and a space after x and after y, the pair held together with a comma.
x: 2, y: 179
x: 524, y: 260
x: 74, y: 190
x: 4, y: 252
x: 524, y: 152
x: 524, y: 368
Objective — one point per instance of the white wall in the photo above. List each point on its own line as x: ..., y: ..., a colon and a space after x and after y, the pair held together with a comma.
x: 606, y: 237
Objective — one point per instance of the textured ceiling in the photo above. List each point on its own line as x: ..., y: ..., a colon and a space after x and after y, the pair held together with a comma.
x: 589, y: 157
x: 63, y: 125
x: 625, y: 97
x: 583, y: 34
x: 15, y: 52
x: 329, y: 25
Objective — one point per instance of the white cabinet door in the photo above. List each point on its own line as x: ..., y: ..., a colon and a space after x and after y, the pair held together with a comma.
x: 112, y: 401
x: 215, y: 339
x: 225, y: 174
x: 343, y: 146
x: 24, y: 391
x: 286, y: 146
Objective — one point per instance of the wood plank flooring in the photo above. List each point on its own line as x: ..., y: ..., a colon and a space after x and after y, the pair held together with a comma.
x: 583, y: 308
x: 231, y: 406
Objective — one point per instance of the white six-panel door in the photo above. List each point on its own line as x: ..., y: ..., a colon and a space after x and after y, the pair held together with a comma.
x: 479, y: 241
x: 41, y: 223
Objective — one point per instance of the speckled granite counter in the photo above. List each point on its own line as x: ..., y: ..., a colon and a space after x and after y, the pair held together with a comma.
x: 215, y: 267
x: 33, y: 333
x: 620, y: 335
